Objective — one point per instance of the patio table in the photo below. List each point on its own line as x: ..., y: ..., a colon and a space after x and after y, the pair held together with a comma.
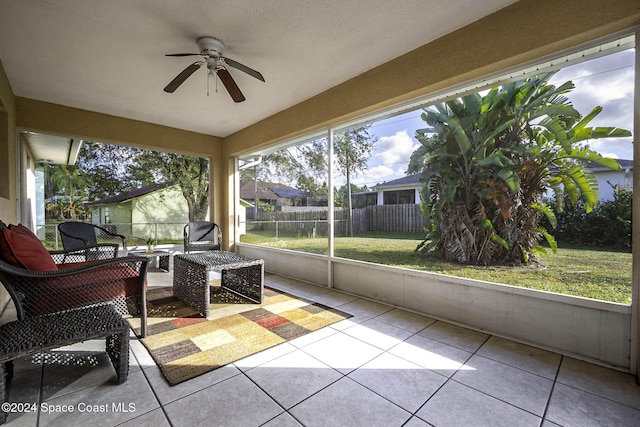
x: 240, y: 274
x: 161, y: 258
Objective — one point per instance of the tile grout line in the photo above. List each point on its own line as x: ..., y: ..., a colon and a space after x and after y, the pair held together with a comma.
x: 162, y: 408
x: 553, y: 387
x: 448, y: 378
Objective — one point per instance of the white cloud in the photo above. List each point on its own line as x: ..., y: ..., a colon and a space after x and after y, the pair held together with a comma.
x: 373, y: 175
x: 607, y: 82
x: 395, y: 149
x: 389, y: 161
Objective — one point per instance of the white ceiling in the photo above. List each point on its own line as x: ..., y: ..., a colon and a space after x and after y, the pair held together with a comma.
x: 109, y: 56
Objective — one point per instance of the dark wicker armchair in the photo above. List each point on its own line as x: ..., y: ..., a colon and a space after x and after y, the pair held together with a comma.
x: 76, y: 234
x: 41, y: 282
x: 202, y: 236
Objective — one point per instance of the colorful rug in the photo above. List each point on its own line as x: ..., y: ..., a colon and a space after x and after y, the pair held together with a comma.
x: 186, y: 345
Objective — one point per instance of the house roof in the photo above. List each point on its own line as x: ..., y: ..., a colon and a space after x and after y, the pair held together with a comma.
x: 268, y: 191
x: 624, y: 164
x: 405, y: 180
x: 130, y: 194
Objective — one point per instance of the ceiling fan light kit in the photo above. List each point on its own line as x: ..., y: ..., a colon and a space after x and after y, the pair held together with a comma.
x: 212, y: 50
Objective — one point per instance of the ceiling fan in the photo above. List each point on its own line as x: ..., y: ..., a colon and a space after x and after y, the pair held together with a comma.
x: 211, y: 50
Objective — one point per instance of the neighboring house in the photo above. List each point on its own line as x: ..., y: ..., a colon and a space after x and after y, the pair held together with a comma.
x: 143, y: 208
x: 401, y: 191
x: 272, y: 193
x: 406, y: 190
x: 607, y: 178
x: 362, y: 199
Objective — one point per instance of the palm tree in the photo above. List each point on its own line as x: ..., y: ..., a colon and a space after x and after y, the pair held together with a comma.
x: 67, y: 180
x: 488, y: 161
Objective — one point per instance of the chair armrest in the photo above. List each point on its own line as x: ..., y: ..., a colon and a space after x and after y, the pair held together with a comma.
x: 85, y: 253
x: 121, y: 281
x: 138, y: 263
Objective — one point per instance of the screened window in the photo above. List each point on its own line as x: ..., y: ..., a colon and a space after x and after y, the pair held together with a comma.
x: 399, y: 197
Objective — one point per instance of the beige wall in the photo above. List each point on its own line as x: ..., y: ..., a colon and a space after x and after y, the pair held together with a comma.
x: 7, y: 150
x: 7, y: 174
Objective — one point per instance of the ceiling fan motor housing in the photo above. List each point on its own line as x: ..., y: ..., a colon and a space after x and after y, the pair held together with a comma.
x: 211, y: 47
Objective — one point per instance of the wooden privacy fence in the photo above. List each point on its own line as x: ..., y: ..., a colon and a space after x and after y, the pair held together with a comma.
x: 394, y: 218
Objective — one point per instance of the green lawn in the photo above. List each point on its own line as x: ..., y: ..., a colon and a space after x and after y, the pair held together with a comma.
x: 589, y: 273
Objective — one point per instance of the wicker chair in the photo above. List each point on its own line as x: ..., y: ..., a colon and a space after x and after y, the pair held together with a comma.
x: 76, y: 234
x: 79, y: 283
x: 202, y: 236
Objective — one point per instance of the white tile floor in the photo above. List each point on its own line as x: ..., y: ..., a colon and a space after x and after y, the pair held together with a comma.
x: 382, y: 367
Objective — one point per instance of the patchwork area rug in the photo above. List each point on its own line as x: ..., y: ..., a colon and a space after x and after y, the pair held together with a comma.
x: 185, y: 345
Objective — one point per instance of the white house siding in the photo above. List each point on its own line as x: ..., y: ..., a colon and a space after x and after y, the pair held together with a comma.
x: 607, y: 179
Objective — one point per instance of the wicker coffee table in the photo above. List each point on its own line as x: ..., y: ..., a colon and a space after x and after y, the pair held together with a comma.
x: 240, y: 274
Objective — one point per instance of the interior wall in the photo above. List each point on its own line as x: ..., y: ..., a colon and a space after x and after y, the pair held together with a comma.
x: 57, y: 119
x: 8, y: 209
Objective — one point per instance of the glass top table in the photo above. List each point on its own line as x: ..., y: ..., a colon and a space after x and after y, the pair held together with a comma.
x: 160, y: 258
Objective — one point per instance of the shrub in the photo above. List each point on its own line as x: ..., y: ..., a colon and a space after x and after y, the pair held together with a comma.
x: 607, y: 225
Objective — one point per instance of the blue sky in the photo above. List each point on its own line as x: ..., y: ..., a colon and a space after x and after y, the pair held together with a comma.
x: 606, y: 81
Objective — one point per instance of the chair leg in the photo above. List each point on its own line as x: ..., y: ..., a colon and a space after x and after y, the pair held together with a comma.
x: 117, y: 347
x: 6, y: 372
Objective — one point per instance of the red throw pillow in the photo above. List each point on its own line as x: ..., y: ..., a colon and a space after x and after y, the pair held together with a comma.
x: 5, y: 250
x: 23, y: 230
x: 21, y: 248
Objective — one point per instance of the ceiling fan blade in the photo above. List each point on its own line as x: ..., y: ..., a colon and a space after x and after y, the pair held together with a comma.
x: 230, y: 84
x: 184, y: 75
x: 242, y: 67
x: 183, y: 54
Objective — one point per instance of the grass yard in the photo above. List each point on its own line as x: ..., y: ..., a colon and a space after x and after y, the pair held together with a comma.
x: 589, y: 273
